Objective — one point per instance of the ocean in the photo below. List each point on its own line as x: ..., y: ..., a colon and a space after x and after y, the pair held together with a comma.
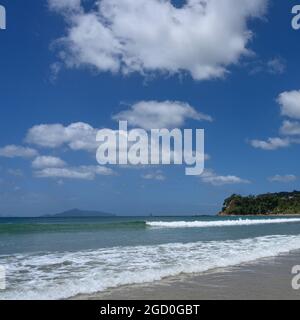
x: 59, y: 258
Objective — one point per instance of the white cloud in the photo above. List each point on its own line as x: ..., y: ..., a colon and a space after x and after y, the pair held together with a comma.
x: 207, y: 157
x: 290, y: 103
x: 209, y: 176
x: 60, y: 5
x: 283, y: 178
x: 276, y: 66
x: 82, y: 172
x: 145, y: 114
x: 47, y: 162
x: 78, y: 136
x: 156, y: 115
x: 291, y: 128
x: 203, y: 37
x: 157, y: 175
x: 13, y: 151
x: 272, y: 66
x: 52, y: 135
x: 15, y: 172
x: 271, y: 143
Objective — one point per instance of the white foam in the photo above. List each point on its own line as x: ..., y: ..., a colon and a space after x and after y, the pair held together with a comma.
x: 219, y: 223
x: 62, y: 275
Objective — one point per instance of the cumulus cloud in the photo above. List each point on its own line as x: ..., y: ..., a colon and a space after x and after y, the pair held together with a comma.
x: 273, y: 66
x: 144, y: 114
x: 62, y: 5
x: 156, y: 115
x: 209, y: 176
x: 47, y: 162
x: 157, y: 175
x: 78, y: 136
x: 271, y: 143
x: 283, y: 178
x: 15, y: 172
x: 81, y: 172
x: 291, y: 128
x: 207, y: 157
x: 276, y: 66
x: 202, y: 37
x: 290, y: 103
x: 13, y: 151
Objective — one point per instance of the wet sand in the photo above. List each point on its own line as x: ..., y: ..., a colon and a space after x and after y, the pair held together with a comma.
x: 262, y: 279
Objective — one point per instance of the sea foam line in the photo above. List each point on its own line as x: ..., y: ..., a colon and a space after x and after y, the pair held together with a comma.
x: 66, y: 274
x: 220, y: 223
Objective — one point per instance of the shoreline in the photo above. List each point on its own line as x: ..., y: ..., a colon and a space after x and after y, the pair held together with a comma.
x: 263, y: 279
x: 260, y: 215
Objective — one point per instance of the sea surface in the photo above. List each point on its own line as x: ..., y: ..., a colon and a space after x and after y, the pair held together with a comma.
x: 57, y: 258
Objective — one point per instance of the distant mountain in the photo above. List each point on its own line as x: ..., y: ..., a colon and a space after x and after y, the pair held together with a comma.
x: 263, y: 204
x: 74, y: 213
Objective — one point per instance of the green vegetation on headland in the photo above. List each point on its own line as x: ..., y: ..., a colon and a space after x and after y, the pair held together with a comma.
x: 265, y: 204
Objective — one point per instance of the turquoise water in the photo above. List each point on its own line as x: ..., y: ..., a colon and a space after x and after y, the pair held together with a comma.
x: 59, y: 258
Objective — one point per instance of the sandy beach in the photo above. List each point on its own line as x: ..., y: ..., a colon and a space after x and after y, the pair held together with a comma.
x: 268, y: 278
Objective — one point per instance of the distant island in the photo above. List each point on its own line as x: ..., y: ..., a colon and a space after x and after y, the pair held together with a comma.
x: 265, y: 204
x: 75, y: 213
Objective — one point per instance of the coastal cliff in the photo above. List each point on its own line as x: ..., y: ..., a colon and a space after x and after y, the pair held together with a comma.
x: 265, y: 204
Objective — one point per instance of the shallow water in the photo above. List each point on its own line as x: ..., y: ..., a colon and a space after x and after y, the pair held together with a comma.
x: 48, y: 258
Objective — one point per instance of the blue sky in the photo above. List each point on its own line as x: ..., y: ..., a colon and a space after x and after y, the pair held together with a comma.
x: 248, y: 86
